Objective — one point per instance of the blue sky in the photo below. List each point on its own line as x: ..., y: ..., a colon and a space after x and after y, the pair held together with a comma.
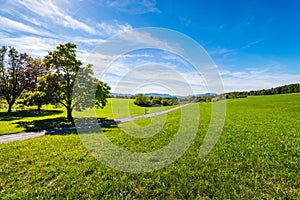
x: 254, y: 44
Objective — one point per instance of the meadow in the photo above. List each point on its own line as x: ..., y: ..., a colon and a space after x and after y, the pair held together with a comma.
x: 29, y: 119
x: 256, y: 157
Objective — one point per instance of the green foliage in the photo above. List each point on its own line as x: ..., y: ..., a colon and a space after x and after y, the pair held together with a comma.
x: 63, y: 60
x: 286, y: 89
x: 89, y: 91
x: 102, y: 93
x: 53, y: 116
x: 156, y: 101
x: 256, y: 157
x: 85, y: 93
x: 17, y: 73
x: 234, y: 95
x: 142, y: 100
x: 145, y: 101
x: 31, y: 98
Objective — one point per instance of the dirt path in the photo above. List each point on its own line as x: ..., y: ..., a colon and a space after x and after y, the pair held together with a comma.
x: 26, y: 135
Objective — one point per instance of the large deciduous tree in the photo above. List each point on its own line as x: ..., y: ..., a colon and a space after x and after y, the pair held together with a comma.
x: 66, y: 65
x: 66, y: 69
x: 15, y: 76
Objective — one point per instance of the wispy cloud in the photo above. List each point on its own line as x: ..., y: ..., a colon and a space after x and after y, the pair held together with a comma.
x: 222, y: 51
x: 221, y: 27
x: 146, y: 39
x: 185, y: 21
x: 147, y: 68
x: 133, y: 6
x: 33, y: 26
x: 112, y: 28
x: 10, y: 25
x: 250, y: 44
x: 255, y: 78
x: 145, y: 76
x: 34, y: 45
x: 50, y: 11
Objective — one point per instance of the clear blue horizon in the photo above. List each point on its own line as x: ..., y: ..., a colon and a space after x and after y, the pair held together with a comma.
x: 254, y: 44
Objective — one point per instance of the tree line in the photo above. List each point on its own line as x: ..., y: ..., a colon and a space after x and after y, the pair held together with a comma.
x: 285, y: 89
x: 58, y: 78
x: 145, y: 101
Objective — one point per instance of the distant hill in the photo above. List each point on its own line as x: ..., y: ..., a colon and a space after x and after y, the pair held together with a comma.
x: 205, y: 95
x: 159, y: 95
x: 120, y: 95
x: 162, y: 95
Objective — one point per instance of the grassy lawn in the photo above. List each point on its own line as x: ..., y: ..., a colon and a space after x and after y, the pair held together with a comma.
x: 256, y: 157
x: 27, y: 120
x: 51, y: 116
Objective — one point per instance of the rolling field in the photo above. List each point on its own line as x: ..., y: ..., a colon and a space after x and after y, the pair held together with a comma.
x: 256, y: 157
x: 51, y: 116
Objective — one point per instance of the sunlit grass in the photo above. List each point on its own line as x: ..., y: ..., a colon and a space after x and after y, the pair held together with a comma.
x: 54, y: 116
x: 256, y: 157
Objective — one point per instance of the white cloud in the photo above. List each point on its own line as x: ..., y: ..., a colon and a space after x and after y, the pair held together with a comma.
x: 144, y: 39
x: 254, y: 79
x: 133, y: 6
x: 10, y: 25
x: 149, y: 75
x: 33, y: 45
x: 127, y: 76
x: 20, y: 20
x: 88, y: 41
x: 50, y: 11
x: 113, y: 28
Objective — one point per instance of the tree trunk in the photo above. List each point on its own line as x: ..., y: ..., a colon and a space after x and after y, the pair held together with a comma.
x: 39, y: 107
x: 69, y: 113
x: 9, y: 107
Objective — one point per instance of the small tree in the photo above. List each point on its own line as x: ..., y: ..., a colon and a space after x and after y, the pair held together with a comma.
x: 142, y: 100
x: 46, y: 91
x: 156, y: 101
x: 31, y: 95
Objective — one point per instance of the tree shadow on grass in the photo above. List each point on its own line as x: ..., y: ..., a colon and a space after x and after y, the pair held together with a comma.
x: 20, y: 114
x: 63, y: 126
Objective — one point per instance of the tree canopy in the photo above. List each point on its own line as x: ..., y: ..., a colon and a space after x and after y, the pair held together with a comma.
x: 66, y: 69
x: 58, y: 78
x: 17, y: 73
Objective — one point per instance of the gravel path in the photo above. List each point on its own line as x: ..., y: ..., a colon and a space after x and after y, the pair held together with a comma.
x: 20, y: 136
x: 26, y: 135
x: 147, y: 115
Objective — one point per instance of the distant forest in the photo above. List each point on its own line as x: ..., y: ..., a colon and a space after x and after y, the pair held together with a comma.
x: 146, y: 101
x: 286, y: 89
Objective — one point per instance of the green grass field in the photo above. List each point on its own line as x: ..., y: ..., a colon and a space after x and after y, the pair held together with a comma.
x: 256, y: 157
x: 52, y: 116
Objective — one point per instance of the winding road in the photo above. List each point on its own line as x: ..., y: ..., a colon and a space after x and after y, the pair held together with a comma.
x: 27, y: 135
